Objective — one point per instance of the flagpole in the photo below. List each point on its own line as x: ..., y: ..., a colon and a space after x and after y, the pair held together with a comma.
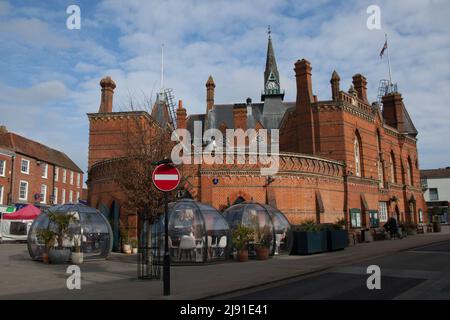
x: 389, y: 62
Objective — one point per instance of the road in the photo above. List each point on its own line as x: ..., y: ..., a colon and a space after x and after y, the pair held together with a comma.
x: 420, y: 273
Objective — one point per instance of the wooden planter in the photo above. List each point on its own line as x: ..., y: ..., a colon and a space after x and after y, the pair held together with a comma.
x: 309, y: 242
x: 337, y: 240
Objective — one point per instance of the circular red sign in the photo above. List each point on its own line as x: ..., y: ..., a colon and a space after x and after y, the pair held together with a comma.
x: 166, y: 177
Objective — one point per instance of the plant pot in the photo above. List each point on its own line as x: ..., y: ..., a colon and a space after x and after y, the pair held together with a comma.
x: 45, y: 258
x: 309, y: 242
x: 134, y: 250
x: 77, y: 257
x: 126, y: 248
x: 337, y: 240
x: 242, y: 255
x: 59, y: 255
x: 262, y: 253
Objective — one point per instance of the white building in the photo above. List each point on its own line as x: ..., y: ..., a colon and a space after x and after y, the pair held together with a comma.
x: 436, y: 186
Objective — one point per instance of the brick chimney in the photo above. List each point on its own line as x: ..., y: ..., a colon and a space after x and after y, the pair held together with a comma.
x: 240, y: 117
x: 335, y: 79
x: 108, y: 86
x: 305, y: 136
x: 393, y: 111
x: 181, y: 116
x: 360, y: 84
x: 210, y: 85
x: 3, y: 130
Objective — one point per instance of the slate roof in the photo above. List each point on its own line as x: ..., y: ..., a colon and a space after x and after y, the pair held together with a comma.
x: 33, y: 149
x: 440, y: 173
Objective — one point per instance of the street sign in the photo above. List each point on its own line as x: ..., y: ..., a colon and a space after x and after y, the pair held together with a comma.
x: 166, y: 177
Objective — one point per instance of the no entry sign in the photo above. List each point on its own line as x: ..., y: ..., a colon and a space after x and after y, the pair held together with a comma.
x: 166, y: 177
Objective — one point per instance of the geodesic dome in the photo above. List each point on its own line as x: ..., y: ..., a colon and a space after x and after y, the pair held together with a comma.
x: 198, y: 233
x: 269, y: 221
x: 90, y: 226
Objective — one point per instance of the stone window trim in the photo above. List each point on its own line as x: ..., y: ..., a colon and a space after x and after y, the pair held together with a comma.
x: 1, y: 194
x: 2, y: 168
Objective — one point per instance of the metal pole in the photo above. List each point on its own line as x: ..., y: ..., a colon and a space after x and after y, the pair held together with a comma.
x: 389, y: 62
x: 166, y: 269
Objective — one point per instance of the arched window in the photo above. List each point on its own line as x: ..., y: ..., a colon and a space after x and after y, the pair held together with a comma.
x: 409, y: 173
x: 357, y: 154
x: 393, y: 170
x: 379, y: 162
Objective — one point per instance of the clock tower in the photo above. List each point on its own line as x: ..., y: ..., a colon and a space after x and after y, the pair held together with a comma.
x: 271, y: 76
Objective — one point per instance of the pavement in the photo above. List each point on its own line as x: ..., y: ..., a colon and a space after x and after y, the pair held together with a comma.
x: 115, y: 278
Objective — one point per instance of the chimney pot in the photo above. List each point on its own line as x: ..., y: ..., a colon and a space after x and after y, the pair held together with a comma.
x: 108, y: 86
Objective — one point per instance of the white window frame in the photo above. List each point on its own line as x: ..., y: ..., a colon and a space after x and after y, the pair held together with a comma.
x: 78, y: 179
x: 44, y: 194
x: 64, y: 179
x: 78, y: 197
x: 55, y: 194
x: 383, y: 211
x: 70, y: 196
x: 1, y: 194
x: 44, y: 173
x: 63, y: 196
x: 56, y: 173
x: 26, y: 190
x: 28, y: 166
x: 71, y: 177
x: 3, y: 168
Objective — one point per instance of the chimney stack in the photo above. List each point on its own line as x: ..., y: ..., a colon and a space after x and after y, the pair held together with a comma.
x: 304, y: 83
x: 393, y: 111
x: 360, y: 84
x: 210, y: 85
x: 335, y: 85
x: 181, y: 116
x: 108, y: 86
x: 3, y: 130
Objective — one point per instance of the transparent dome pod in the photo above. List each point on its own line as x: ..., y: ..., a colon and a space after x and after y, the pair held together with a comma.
x: 198, y: 233
x: 90, y: 227
x: 267, y: 222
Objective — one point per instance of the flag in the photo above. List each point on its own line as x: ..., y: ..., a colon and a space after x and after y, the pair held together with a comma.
x: 384, y: 48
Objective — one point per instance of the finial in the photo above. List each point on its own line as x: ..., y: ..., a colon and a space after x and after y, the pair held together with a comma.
x: 268, y: 30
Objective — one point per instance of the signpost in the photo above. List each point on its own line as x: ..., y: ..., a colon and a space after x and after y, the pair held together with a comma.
x: 166, y: 178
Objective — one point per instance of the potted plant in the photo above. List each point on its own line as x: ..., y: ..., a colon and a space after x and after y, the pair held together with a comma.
x: 309, y: 238
x: 61, y: 223
x: 77, y: 254
x: 262, y: 243
x: 241, y: 236
x: 410, y: 228
x: 126, y: 247
x: 48, y: 238
x: 134, y: 245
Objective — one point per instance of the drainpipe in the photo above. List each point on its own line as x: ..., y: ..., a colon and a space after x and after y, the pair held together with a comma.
x: 11, y: 187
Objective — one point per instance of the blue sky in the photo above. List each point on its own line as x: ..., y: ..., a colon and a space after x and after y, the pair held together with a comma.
x: 50, y: 75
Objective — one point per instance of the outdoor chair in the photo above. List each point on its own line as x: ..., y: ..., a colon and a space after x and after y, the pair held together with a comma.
x: 187, y: 245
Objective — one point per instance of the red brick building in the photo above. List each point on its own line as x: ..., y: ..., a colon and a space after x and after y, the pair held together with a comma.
x: 32, y: 173
x: 339, y: 158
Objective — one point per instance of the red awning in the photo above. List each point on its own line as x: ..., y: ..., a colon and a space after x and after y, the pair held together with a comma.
x: 29, y: 212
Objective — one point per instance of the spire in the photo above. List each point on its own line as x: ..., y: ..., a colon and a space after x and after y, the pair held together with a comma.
x: 271, y: 75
